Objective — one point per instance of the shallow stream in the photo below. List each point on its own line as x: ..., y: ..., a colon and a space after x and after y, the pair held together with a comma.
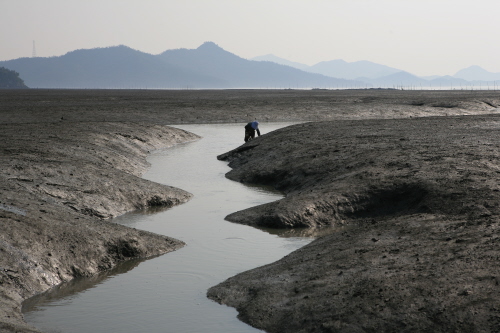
x: 168, y: 293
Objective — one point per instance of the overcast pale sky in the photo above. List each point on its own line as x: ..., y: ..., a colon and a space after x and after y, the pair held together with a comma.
x: 424, y: 37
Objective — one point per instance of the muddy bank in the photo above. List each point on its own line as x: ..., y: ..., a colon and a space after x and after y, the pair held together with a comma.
x: 59, y: 183
x: 72, y: 158
x: 419, y: 199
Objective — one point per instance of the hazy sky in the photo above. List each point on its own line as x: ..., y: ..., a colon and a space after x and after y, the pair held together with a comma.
x: 424, y: 37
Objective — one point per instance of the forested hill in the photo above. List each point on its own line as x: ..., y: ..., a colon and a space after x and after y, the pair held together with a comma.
x: 10, y: 79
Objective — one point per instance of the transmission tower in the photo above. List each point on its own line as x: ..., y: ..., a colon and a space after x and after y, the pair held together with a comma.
x: 33, y: 55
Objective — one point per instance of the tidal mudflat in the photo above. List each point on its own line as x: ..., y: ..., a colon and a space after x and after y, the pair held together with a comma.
x: 420, y: 202
x: 168, y: 293
x: 420, y: 194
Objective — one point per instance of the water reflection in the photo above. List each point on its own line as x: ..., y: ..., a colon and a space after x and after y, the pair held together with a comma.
x: 303, y: 232
x: 168, y: 293
x: 74, y: 287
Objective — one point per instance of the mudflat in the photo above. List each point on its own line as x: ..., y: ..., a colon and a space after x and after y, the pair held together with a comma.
x: 417, y: 203
x: 410, y: 175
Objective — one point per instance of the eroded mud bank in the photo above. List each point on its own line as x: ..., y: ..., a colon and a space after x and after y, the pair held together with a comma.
x: 59, y: 183
x: 65, y: 168
x: 420, y: 198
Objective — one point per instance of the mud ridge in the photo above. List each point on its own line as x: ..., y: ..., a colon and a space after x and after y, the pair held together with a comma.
x: 418, y: 202
x: 59, y: 184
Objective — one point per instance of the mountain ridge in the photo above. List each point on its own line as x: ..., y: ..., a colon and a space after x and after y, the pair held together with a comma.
x: 110, y: 67
x: 360, y: 70
x: 353, y: 70
x: 210, y: 59
x: 281, y: 61
x: 210, y: 66
x: 476, y: 73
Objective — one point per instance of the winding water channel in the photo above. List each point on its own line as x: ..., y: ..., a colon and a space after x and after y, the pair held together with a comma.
x: 167, y: 293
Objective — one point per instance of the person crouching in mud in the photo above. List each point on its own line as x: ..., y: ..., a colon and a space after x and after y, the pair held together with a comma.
x: 250, y: 129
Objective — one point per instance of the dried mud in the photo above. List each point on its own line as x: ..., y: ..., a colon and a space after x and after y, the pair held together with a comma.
x: 417, y: 199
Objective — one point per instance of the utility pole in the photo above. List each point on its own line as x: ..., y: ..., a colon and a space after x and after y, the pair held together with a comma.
x: 33, y: 54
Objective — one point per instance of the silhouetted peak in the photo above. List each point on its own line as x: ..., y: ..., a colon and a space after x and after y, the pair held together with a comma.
x: 475, y: 67
x: 472, y: 69
x: 211, y: 50
x: 209, y: 46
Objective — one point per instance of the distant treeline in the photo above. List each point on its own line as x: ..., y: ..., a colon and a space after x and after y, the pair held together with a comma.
x: 10, y: 79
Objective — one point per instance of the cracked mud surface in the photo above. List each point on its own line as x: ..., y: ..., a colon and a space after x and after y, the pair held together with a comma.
x: 417, y: 199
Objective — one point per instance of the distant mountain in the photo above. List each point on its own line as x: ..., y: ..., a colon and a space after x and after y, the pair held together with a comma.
x: 208, y: 66
x: 376, y: 75
x: 476, y: 73
x: 281, y: 61
x: 10, y: 79
x: 352, y: 70
x: 399, y: 80
x: 209, y: 59
x: 448, y: 81
x: 430, y: 77
x: 406, y: 80
x: 111, y: 67
x: 357, y: 70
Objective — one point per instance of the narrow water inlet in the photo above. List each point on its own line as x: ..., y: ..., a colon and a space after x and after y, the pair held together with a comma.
x: 168, y: 293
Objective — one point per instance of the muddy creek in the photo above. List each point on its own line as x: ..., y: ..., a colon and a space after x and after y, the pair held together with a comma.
x: 167, y: 293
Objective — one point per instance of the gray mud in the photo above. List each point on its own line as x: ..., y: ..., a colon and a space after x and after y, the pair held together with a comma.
x: 420, y: 196
x: 420, y: 202
x: 59, y: 184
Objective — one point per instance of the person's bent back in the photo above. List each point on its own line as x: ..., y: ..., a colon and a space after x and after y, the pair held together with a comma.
x: 250, y: 129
